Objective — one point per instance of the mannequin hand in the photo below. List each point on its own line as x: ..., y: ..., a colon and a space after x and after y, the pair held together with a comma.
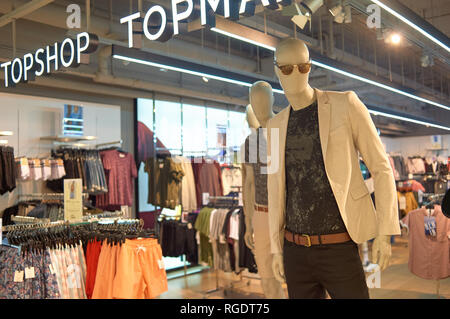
x: 278, y: 267
x: 381, y: 251
x: 248, y: 238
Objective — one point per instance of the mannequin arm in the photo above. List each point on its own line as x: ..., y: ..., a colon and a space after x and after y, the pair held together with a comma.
x: 381, y: 251
x: 278, y: 267
x: 371, y: 148
x: 247, y: 195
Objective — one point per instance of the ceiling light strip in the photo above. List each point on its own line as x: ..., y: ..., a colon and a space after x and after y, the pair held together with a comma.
x: 406, y: 119
x: 172, y: 68
x: 414, y: 26
x: 383, y: 86
x: 356, y: 77
x: 200, y: 74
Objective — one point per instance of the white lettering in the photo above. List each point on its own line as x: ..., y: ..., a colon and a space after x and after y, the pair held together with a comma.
x: 177, y: 17
x: 265, y: 3
x: 74, y: 19
x: 80, y: 48
x: 39, y: 61
x: 374, y: 19
x: 16, y: 61
x: 130, y: 19
x: 71, y: 55
x: 162, y: 28
x: 214, y: 5
x: 5, y: 66
x: 27, y: 66
x: 52, y: 57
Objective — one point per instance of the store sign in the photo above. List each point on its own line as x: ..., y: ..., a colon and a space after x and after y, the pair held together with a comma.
x: 69, y: 53
x: 166, y: 24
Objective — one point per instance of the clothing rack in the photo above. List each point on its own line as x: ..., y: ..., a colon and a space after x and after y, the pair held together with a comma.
x: 46, y: 196
x: 109, y: 144
x: 28, y: 220
x: 46, y: 224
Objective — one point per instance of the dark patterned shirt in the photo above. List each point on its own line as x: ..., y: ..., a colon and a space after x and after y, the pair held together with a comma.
x: 256, y: 156
x: 311, y: 207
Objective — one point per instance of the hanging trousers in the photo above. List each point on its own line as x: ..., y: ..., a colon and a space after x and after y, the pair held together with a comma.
x: 336, y: 268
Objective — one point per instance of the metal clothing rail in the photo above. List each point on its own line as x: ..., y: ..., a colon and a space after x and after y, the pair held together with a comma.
x: 46, y: 195
x: 109, y: 144
x: 46, y: 224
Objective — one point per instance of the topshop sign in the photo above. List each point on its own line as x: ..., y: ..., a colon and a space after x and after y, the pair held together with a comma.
x: 164, y: 24
x: 68, y: 53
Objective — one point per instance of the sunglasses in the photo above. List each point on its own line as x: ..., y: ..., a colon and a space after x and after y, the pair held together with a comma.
x: 289, y: 68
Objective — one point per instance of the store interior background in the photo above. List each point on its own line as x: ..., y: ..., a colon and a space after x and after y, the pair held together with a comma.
x: 110, y: 90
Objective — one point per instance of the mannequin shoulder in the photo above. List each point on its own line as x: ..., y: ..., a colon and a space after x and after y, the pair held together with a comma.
x: 273, y: 122
x: 336, y: 96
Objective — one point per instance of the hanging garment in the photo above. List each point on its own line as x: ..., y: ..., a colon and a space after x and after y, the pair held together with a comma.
x: 407, y: 202
x: 428, y: 256
x: 165, y: 179
x: 188, y: 195
x: 40, y: 285
x: 202, y: 225
x: 8, y: 170
x: 208, y: 178
x: 120, y: 171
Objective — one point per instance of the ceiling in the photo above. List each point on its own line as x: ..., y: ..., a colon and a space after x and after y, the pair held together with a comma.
x: 351, y: 46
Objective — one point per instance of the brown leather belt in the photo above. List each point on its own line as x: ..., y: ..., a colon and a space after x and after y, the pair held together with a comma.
x: 308, y: 241
x: 260, y: 208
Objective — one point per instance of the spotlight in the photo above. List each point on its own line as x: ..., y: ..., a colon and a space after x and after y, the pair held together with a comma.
x: 348, y: 14
x: 302, y: 16
x: 335, y: 8
x: 205, y: 79
x: 426, y: 60
x: 312, y: 5
x: 163, y: 70
x: 395, y: 38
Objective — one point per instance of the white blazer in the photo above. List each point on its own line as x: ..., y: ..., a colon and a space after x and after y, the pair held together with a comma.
x: 345, y: 127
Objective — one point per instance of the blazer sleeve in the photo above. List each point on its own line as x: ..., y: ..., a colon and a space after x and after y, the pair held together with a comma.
x: 367, y: 141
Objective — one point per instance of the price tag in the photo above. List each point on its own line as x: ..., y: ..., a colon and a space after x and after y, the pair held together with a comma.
x: 29, y: 273
x: 161, y: 165
x: 402, y: 202
x: 205, y: 198
x: 161, y: 264
x: 241, y: 202
x: 430, y: 226
x: 189, y: 226
x: 52, y: 271
x: 18, y: 276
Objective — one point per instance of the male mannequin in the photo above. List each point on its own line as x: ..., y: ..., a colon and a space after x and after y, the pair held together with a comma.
x: 319, y: 186
x: 255, y: 189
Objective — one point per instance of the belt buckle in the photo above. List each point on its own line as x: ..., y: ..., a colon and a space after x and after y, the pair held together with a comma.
x: 309, y: 240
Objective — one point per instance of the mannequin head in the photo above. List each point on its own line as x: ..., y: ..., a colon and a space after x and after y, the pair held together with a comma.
x: 251, y: 118
x: 261, y: 99
x: 292, y: 52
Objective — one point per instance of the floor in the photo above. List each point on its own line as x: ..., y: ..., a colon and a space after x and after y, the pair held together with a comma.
x: 397, y: 282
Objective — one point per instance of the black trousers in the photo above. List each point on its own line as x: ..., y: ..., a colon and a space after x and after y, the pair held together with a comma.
x: 337, y: 268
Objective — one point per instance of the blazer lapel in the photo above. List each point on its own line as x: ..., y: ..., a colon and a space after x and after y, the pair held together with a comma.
x: 324, y: 120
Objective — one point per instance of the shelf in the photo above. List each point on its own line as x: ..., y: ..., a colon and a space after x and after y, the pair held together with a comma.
x: 6, y: 133
x: 68, y: 139
x: 437, y: 149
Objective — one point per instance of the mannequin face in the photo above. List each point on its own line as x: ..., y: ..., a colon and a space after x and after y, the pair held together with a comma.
x: 261, y: 99
x: 292, y: 52
x: 251, y: 118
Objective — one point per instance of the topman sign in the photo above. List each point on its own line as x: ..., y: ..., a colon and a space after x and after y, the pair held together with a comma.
x: 164, y: 24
